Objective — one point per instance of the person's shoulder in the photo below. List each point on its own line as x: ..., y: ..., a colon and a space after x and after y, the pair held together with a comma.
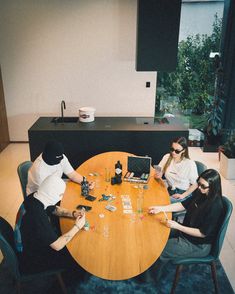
x: 166, y: 156
x: 65, y: 159
x: 190, y: 162
x: 217, y: 203
x: 65, y: 162
x: 38, y: 162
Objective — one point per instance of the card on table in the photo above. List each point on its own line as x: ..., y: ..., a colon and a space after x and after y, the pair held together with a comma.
x: 111, y: 207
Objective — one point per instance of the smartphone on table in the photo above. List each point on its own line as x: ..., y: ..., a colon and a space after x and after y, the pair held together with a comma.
x: 90, y: 198
x: 87, y: 208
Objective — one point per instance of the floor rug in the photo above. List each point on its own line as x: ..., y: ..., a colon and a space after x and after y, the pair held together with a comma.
x: 194, y: 279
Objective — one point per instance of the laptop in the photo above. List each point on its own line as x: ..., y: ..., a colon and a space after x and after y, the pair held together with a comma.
x: 138, y: 169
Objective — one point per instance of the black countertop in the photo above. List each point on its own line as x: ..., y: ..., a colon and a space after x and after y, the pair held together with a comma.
x: 112, y: 124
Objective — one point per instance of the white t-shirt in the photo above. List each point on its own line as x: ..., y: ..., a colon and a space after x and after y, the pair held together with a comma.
x: 180, y: 174
x: 40, y: 170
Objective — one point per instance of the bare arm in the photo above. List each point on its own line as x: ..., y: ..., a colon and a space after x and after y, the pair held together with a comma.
x: 187, y: 230
x: 187, y: 192
x: 75, y: 177
x: 63, y: 212
x: 174, y: 207
x: 65, y: 238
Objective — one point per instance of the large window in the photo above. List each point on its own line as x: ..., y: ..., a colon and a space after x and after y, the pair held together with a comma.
x: 189, y: 92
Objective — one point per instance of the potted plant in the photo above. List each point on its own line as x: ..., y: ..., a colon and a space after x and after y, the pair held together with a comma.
x: 213, y: 128
x: 227, y: 159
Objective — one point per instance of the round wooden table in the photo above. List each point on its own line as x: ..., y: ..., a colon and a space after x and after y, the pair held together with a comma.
x: 117, y: 246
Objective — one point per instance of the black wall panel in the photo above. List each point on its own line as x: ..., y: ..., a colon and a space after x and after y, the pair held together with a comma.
x: 158, y: 24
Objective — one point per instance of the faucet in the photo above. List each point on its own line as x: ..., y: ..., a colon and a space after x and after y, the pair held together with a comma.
x: 62, y: 107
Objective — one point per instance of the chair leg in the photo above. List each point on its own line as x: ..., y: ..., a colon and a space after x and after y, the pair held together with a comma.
x: 18, y: 287
x: 176, y: 279
x: 214, y: 277
x: 62, y: 284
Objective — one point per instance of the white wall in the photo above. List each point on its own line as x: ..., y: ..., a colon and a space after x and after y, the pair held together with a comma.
x: 82, y: 51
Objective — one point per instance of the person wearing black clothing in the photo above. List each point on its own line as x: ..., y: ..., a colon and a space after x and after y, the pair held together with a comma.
x: 204, y: 211
x: 40, y: 247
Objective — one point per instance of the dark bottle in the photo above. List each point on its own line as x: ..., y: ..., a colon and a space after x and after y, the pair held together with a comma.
x: 118, y: 169
x: 84, y: 187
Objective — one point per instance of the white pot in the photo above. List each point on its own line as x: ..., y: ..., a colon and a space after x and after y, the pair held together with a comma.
x: 227, y: 167
x: 86, y: 114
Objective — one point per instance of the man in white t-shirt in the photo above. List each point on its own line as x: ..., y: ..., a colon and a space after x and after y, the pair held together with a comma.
x: 51, y: 161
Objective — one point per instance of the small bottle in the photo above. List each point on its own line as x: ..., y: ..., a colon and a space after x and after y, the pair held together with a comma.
x: 118, y: 169
x: 84, y: 187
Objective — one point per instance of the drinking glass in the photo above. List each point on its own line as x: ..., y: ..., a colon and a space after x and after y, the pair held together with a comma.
x: 107, y: 174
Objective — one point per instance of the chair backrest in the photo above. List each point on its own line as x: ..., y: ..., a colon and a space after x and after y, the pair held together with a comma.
x: 22, y: 171
x: 228, y: 208
x: 7, y: 247
x: 201, y: 167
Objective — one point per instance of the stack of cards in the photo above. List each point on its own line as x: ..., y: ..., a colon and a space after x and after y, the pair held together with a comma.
x: 126, y: 204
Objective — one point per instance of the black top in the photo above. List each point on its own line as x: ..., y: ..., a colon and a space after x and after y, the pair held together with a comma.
x: 37, y: 231
x: 207, y: 222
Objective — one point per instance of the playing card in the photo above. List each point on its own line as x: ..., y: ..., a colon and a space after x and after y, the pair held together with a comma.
x: 110, y: 207
x: 127, y: 206
x: 127, y: 211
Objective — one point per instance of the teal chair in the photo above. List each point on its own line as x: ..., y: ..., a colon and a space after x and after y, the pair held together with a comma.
x: 11, y: 264
x: 201, y: 167
x: 214, y: 254
x: 22, y: 171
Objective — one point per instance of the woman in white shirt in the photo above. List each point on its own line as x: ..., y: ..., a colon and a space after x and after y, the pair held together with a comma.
x: 179, y: 170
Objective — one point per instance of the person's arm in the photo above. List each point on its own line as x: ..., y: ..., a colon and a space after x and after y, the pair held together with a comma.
x: 174, y: 207
x: 77, y: 178
x: 159, y: 174
x: 65, y: 238
x: 190, y: 190
x: 187, y: 230
x: 63, y: 212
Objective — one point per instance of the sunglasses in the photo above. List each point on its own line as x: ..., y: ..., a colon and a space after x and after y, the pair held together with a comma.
x: 202, y: 186
x: 176, y: 151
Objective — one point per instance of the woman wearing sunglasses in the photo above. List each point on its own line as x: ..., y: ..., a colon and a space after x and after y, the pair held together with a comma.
x: 204, y: 211
x: 179, y: 170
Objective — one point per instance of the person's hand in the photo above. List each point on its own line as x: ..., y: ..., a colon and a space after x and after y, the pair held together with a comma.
x: 80, y: 221
x: 91, y: 185
x: 172, y: 224
x: 158, y: 175
x: 178, y: 196
x: 154, y: 209
x: 78, y: 213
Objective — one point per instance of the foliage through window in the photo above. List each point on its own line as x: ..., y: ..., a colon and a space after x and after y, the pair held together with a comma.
x: 191, y: 87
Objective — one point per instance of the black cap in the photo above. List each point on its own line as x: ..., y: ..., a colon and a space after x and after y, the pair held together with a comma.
x: 53, y: 153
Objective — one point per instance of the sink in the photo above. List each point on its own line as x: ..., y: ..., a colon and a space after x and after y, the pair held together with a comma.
x: 64, y: 120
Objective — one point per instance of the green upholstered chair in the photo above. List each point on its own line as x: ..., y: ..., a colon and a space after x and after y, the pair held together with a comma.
x: 10, y: 261
x: 215, y: 250
x: 201, y: 167
x: 22, y: 171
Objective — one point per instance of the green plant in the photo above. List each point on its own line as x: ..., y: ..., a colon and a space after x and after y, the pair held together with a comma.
x: 229, y: 146
x: 193, y: 81
x: 214, y: 117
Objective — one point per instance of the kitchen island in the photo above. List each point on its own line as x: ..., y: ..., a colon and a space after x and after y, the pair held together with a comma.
x: 138, y: 135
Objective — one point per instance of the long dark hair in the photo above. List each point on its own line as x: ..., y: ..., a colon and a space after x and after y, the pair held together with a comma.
x: 215, y: 192
x: 182, y: 141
